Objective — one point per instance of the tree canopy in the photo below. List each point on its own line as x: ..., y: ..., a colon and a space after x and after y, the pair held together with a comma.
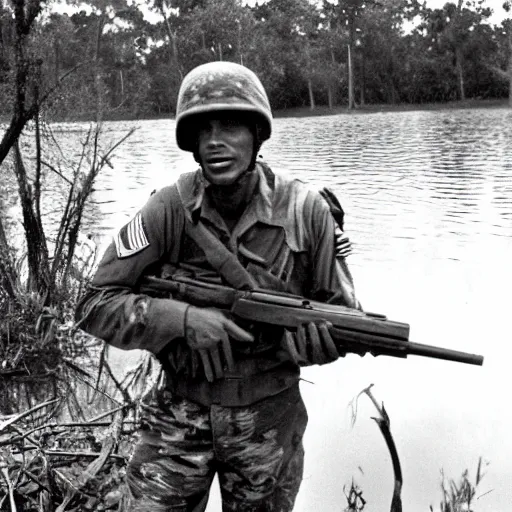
x: 307, y: 53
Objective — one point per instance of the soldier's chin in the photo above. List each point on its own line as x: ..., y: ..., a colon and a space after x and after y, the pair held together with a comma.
x: 222, y: 178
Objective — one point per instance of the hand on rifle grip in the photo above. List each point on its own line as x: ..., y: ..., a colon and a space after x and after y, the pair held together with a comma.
x: 311, y: 344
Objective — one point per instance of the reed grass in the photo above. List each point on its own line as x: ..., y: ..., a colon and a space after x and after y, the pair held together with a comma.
x: 460, y: 496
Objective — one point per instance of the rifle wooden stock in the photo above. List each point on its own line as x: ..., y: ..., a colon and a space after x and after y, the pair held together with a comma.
x: 353, y: 331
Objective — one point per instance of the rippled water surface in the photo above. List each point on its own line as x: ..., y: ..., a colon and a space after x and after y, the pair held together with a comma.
x: 428, y: 197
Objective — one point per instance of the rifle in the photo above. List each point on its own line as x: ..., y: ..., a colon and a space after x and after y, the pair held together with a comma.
x: 352, y: 331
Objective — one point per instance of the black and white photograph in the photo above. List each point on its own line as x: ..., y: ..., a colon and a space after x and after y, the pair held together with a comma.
x: 255, y: 255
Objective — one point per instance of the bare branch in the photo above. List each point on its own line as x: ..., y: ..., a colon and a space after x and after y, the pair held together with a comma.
x: 116, y: 145
x: 22, y: 415
x: 56, y: 171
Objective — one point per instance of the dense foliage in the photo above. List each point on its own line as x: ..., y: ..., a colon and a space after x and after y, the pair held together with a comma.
x: 344, y: 52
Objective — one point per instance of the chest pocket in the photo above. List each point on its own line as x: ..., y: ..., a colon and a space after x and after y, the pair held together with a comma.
x: 264, y: 251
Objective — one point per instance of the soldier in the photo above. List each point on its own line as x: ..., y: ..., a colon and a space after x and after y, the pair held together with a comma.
x: 231, y: 403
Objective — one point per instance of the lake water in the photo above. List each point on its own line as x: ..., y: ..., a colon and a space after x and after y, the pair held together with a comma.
x: 428, y: 200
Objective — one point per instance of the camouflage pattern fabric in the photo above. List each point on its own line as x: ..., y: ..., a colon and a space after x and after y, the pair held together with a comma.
x: 256, y: 450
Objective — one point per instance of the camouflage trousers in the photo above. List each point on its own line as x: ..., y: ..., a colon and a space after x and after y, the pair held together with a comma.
x: 255, y: 450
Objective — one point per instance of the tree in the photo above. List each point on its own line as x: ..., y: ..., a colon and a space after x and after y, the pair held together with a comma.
x: 279, y: 50
x: 382, y: 50
x: 306, y: 53
x: 462, y: 22
x: 26, y: 73
x: 330, y: 69
x: 218, y: 30
x: 34, y: 85
x: 506, y: 43
x: 168, y: 9
x: 349, y: 17
x: 296, y: 24
x: 345, y: 15
x: 26, y: 104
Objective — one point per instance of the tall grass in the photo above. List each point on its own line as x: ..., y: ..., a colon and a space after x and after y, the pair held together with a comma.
x: 460, y: 496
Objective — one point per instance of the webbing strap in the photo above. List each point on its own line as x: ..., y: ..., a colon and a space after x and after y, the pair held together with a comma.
x: 219, y: 256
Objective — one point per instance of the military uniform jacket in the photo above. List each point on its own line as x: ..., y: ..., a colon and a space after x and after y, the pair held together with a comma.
x: 285, y: 237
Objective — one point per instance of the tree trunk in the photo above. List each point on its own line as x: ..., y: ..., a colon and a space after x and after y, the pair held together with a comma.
x: 121, y: 79
x: 171, y: 34
x: 175, y: 51
x: 240, y: 56
x: 331, y: 90
x: 510, y: 65
x: 351, y: 101
x: 329, y: 96
x: 311, y: 96
x: 24, y: 17
x: 98, y: 82
x: 2, y: 38
x: 56, y: 50
x: 458, y: 52
x: 393, y: 92
x: 11, y: 135
x: 7, y: 275
x: 362, y: 80
x: 460, y: 74
x: 36, y: 242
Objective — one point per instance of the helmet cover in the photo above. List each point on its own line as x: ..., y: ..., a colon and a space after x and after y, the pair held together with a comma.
x: 220, y: 87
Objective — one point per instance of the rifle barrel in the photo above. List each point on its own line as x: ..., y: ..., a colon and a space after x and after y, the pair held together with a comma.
x: 419, y: 349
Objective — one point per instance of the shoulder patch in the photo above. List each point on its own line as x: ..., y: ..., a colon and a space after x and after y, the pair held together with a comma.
x: 132, y: 238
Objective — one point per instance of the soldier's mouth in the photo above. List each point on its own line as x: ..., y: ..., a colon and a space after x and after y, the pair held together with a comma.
x: 217, y: 163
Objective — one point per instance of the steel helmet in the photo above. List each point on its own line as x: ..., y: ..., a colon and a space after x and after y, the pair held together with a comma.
x: 220, y: 86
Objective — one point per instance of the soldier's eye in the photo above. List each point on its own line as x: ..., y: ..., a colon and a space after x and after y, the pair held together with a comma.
x: 231, y: 123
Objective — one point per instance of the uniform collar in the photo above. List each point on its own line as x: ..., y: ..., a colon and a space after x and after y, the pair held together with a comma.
x: 197, y: 205
x: 277, y: 202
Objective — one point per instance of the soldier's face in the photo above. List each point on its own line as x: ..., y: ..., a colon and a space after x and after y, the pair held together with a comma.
x: 225, y: 147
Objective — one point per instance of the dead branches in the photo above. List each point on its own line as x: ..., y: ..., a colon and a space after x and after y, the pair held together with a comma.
x: 384, y: 424
x: 50, y: 465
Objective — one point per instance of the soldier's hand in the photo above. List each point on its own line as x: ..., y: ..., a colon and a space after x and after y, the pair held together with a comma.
x: 208, y: 331
x: 312, y: 343
x: 334, y: 205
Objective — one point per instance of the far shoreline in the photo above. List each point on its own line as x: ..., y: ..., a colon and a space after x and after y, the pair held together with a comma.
x: 321, y: 110
x: 324, y: 110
